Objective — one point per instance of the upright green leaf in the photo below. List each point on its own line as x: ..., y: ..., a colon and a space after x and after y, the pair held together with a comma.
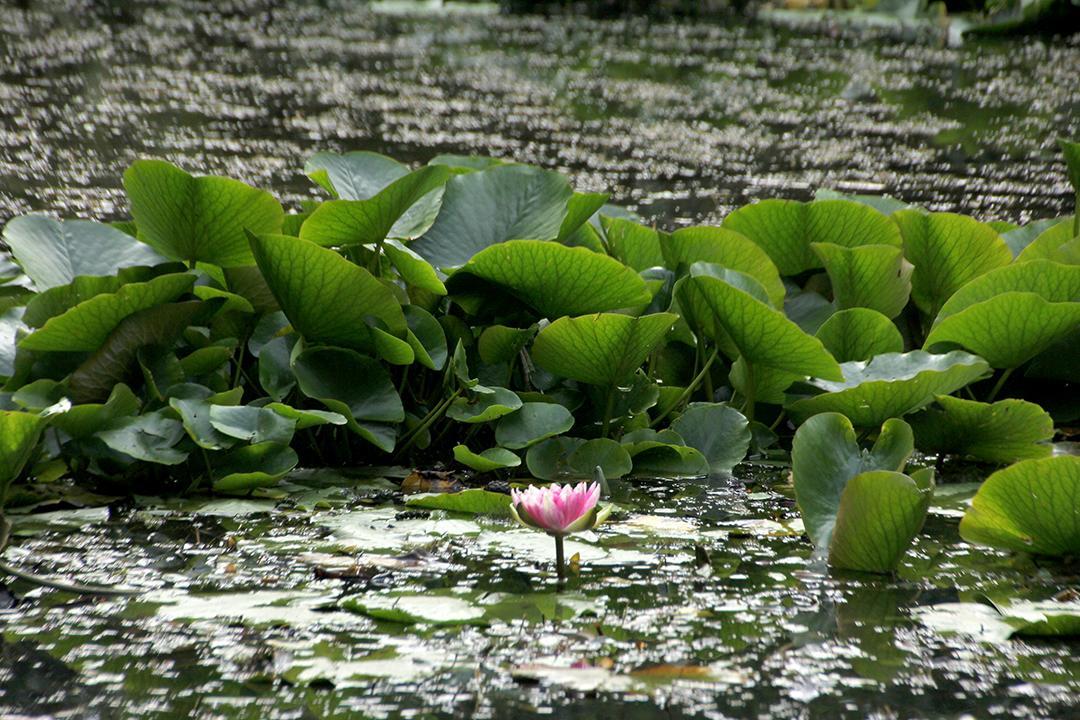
x: 631, y: 243
x: 719, y: 432
x: 327, y: 298
x: 19, y: 433
x: 535, y: 421
x: 868, y: 276
x: 481, y: 209
x: 253, y: 466
x: 355, y: 386
x: 601, y: 349
x: 198, y: 219
x: 1028, y: 507
x: 355, y: 175
x: 54, y: 252
x: 87, y: 325
x: 859, y: 334
x: 358, y: 222
x: 726, y: 248
x: 785, y: 229
x: 948, y: 251
x: 554, y: 279
x: 732, y: 309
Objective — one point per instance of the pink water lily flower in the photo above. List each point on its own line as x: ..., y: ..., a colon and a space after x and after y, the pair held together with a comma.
x: 558, y: 509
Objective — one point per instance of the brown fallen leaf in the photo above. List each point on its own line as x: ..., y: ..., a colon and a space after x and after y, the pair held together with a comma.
x: 430, y: 481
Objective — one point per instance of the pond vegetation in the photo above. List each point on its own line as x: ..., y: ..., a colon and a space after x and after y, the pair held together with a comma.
x: 484, y: 317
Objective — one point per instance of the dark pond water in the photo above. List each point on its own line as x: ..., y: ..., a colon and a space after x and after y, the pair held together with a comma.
x: 239, y: 611
x: 683, y: 122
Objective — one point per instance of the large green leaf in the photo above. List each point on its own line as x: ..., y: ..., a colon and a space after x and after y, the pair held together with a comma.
x: 150, y: 437
x: 54, y: 252
x: 355, y: 386
x: 1010, y: 315
x: 732, y: 308
x: 575, y: 229
x: 484, y: 407
x: 1004, y: 431
x: 481, y: 209
x: 857, y: 506
x: 473, y: 501
x: 1071, y: 152
x: 535, y: 421
x: 412, y: 268
x: 160, y: 325
x: 601, y: 349
x: 868, y: 276
x: 87, y: 325
x: 1057, y: 242
x: 785, y: 229
x: 631, y: 243
x: 327, y: 298
x: 879, y: 515
x: 859, y: 334
x: 19, y: 433
x: 253, y: 466
x: 566, y: 457
x: 719, y: 432
x: 727, y: 248
x: 495, y: 458
x: 355, y: 175
x: 890, y: 385
x: 358, y: 222
x: 556, y: 280
x: 426, y: 336
x: 198, y: 219
x: 1029, y: 507
x: 948, y: 251
x: 252, y: 424
x: 193, y: 403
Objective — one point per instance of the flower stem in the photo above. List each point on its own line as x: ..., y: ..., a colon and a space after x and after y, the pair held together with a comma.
x: 999, y: 384
x: 608, y: 407
x: 559, y: 560
x: 688, y: 390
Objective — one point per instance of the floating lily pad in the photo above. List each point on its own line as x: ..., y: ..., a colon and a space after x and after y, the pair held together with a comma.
x: 602, y: 349
x: 473, y: 501
x: 198, y: 219
x: 1004, y: 431
x: 890, y: 385
x: 495, y: 458
x: 429, y: 608
x: 1028, y: 507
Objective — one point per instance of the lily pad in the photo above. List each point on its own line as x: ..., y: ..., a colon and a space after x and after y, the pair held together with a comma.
x: 150, y: 437
x: 725, y: 248
x: 785, y: 229
x: 867, y: 276
x: 858, y: 507
x: 354, y: 386
x: 631, y: 243
x: 556, y: 280
x: 481, y: 209
x: 407, y: 609
x: 1003, y: 432
x: 473, y: 501
x: 1010, y: 315
x: 602, y: 349
x: 890, y: 385
x: 535, y: 421
x: 253, y: 466
x: 1028, y: 507
x: 496, y: 458
x: 720, y: 433
x: 86, y: 326
x: 732, y: 309
x: 355, y: 175
x: 859, y: 334
x: 198, y: 219
x: 19, y: 433
x: 54, y: 252
x: 484, y: 407
x: 340, y: 223
x: 948, y: 251
x: 332, y: 301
